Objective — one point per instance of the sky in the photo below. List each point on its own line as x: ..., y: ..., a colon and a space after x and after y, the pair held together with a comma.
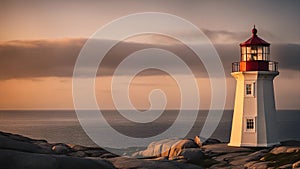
x: 40, y: 41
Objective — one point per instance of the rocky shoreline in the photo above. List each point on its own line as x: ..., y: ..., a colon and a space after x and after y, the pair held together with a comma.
x: 17, y: 152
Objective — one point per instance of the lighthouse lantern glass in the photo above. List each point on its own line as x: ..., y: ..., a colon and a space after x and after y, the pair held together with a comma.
x: 255, y: 52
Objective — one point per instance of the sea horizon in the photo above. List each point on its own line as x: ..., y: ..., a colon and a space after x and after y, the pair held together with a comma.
x: 63, y: 125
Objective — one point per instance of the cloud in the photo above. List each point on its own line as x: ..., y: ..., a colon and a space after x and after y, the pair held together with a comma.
x: 288, y: 55
x: 229, y: 37
x: 45, y: 58
x: 223, y: 36
x: 38, y: 58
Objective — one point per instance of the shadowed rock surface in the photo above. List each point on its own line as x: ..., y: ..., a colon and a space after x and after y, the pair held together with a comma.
x: 214, y: 154
x: 130, y: 163
x: 17, y: 152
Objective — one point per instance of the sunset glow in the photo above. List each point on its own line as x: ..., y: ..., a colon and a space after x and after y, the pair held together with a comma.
x: 40, y: 41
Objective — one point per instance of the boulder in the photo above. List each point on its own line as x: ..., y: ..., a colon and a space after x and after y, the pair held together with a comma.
x: 180, y: 145
x: 285, y: 149
x: 198, y: 141
x: 159, y: 148
x: 296, y: 164
x: 43, y: 145
x: 78, y: 154
x: 78, y: 148
x: 61, y: 148
x: 108, y: 155
x: 256, y: 165
x: 192, y: 154
x: 95, y: 152
x: 211, y: 141
x: 287, y: 166
x: 166, y: 148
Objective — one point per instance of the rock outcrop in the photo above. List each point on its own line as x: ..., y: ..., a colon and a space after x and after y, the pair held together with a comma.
x: 170, y: 149
x: 21, y: 152
x: 132, y: 163
x: 17, y: 151
x: 214, y: 154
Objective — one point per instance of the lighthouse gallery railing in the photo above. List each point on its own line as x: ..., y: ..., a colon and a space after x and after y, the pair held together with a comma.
x: 254, y: 66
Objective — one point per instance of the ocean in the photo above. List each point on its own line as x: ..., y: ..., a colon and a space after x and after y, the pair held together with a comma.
x: 63, y: 126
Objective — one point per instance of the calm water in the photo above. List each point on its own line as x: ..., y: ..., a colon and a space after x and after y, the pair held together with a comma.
x: 63, y: 126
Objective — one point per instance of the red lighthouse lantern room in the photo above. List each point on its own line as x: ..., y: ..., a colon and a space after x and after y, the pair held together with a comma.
x: 255, y: 55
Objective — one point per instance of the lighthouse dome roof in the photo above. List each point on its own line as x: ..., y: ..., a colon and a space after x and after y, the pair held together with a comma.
x: 255, y: 40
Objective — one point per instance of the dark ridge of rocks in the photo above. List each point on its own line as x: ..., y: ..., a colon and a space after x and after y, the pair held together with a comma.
x: 133, y: 163
x: 214, y: 154
x: 12, y: 159
x: 20, y: 143
x: 211, y: 141
x: 17, y: 151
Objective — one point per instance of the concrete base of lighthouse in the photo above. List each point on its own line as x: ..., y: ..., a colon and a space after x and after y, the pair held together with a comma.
x: 254, y: 118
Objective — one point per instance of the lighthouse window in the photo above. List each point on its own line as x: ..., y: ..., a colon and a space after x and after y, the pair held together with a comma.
x: 248, y: 89
x: 250, y: 124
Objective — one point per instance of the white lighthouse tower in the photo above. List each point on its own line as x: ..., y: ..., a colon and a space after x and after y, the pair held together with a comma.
x: 254, y: 118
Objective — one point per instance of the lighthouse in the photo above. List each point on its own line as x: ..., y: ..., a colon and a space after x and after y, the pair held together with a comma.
x: 254, y: 117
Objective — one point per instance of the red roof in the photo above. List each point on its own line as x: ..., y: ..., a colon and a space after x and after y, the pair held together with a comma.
x: 254, y: 40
